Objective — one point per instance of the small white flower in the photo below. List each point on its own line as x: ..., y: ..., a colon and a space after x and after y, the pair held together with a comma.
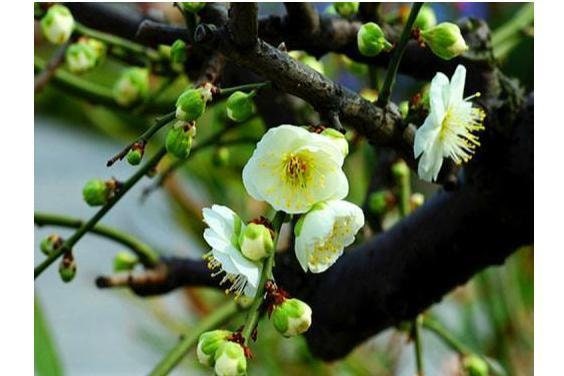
x: 222, y: 235
x: 292, y: 317
x: 57, y: 24
x: 230, y: 360
x: 448, y: 129
x: 293, y: 169
x: 324, y: 232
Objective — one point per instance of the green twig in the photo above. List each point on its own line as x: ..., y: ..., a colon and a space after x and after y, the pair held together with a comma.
x: 147, y: 255
x: 384, y: 95
x: 145, y: 137
x: 70, y: 242
x: 254, y: 310
x: 254, y: 86
x: 113, y: 40
x: 189, y: 339
x: 418, y: 345
x: 443, y: 333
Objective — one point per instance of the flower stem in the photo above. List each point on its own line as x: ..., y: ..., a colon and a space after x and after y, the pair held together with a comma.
x: 418, y: 345
x: 435, y: 327
x: 146, y: 254
x: 254, y: 86
x: 70, y: 242
x: 386, y: 90
x: 189, y: 339
x: 254, y: 310
x: 125, y: 44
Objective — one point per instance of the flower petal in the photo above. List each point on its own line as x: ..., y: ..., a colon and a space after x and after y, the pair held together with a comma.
x: 426, y: 135
x: 457, y: 81
x: 431, y: 162
x: 438, y: 96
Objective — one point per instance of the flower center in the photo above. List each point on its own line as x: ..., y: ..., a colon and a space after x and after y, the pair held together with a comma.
x: 457, y: 130
x: 238, y: 282
x: 325, y: 250
x: 296, y: 169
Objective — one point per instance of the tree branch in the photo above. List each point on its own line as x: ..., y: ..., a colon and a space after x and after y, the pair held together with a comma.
x: 242, y: 24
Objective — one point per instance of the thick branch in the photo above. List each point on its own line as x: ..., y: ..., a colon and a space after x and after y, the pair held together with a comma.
x: 302, y: 17
x: 243, y: 24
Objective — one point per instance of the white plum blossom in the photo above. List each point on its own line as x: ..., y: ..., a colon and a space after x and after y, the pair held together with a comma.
x: 222, y: 235
x: 324, y: 232
x: 293, y: 169
x: 448, y: 129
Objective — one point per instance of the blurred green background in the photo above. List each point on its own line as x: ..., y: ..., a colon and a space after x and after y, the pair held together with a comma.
x: 81, y: 330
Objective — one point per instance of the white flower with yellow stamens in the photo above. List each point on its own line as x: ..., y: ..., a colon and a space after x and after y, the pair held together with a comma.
x: 293, y: 169
x: 448, y: 129
x: 323, y: 233
x: 225, y: 257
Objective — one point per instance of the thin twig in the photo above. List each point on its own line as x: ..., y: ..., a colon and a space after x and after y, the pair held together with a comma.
x: 189, y: 339
x: 51, y: 67
x: 70, y: 242
x: 147, y: 255
x: 384, y: 95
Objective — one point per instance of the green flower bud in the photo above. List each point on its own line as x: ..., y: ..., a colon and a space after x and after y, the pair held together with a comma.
x: 192, y: 7
x: 292, y: 317
x: 416, y: 200
x: 403, y: 108
x: 67, y: 267
x: 96, y: 192
x: 50, y: 244
x: 135, y: 154
x: 179, y: 140
x: 425, y: 18
x: 221, y: 156
x: 178, y: 55
x: 192, y: 103
x: 99, y: 48
x: 132, y: 86
x: 208, y: 344
x: 378, y: 202
x: 256, y: 242
x: 371, y: 40
x: 240, y: 106
x: 57, y: 24
x: 474, y: 365
x: 400, y: 170
x: 230, y: 360
x: 80, y: 57
x: 346, y: 9
x: 445, y: 40
x: 338, y: 140
x: 125, y: 261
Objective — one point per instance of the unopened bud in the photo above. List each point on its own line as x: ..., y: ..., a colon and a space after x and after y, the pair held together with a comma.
x: 292, y: 317
x: 230, y: 360
x: 416, y: 200
x: 400, y: 169
x: 338, y: 139
x: 67, y: 267
x: 346, y: 9
x: 379, y: 202
x: 125, y: 261
x: 240, y: 106
x: 445, y: 40
x: 178, y: 54
x: 425, y: 18
x: 96, y: 192
x: 208, y: 344
x: 57, y: 24
x: 192, y: 103
x: 135, y: 154
x: 474, y: 365
x: 179, y: 140
x: 50, y: 244
x: 371, y: 40
x: 256, y: 242
x: 192, y: 7
x: 80, y: 57
x: 132, y: 86
x: 99, y: 47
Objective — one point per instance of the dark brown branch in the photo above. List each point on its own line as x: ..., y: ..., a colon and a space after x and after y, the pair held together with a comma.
x: 302, y: 17
x: 242, y: 24
x: 56, y: 60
